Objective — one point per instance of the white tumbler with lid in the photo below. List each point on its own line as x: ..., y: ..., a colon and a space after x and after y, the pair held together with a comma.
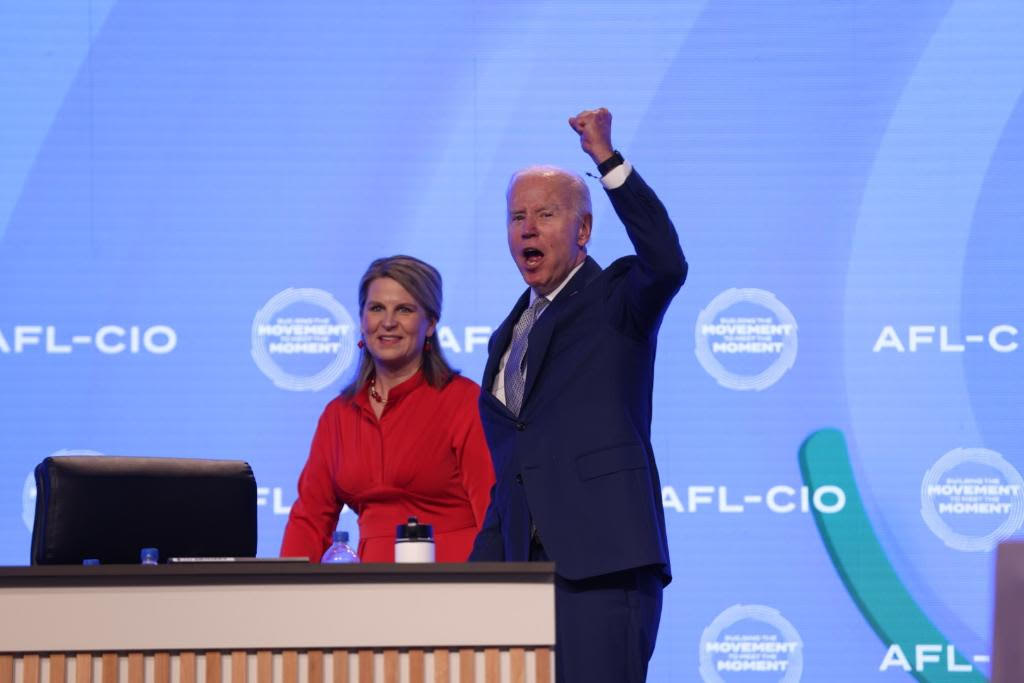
x: 414, y: 542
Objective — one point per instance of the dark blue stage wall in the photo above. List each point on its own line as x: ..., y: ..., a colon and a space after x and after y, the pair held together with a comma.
x: 183, y: 182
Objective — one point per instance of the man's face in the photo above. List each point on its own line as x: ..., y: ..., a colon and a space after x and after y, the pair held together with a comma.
x: 545, y: 235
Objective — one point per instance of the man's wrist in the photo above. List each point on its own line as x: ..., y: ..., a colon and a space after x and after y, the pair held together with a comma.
x: 616, y: 177
x: 610, y: 162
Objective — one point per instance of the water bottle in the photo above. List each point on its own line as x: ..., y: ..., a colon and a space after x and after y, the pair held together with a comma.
x: 340, y: 552
x: 149, y: 556
x: 414, y: 542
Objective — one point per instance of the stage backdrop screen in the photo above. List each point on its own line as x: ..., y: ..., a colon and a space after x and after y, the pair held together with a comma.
x: 189, y: 192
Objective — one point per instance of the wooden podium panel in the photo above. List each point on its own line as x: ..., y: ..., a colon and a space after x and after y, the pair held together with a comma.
x: 270, y: 622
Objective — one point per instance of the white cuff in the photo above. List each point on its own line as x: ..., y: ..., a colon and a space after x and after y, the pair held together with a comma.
x: 617, y: 176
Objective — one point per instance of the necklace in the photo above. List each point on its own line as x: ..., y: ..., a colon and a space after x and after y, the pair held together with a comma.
x: 374, y: 393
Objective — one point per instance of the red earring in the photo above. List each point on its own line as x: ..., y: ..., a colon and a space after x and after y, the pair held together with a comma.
x: 360, y: 343
x: 427, y: 346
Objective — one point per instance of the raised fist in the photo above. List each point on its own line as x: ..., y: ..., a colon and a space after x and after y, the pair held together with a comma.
x: 595, y: 130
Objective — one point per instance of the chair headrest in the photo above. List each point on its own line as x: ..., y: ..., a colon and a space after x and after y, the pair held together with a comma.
x: 110, y: 507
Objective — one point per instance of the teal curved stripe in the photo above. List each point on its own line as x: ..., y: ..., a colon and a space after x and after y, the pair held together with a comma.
x: 863, y: 565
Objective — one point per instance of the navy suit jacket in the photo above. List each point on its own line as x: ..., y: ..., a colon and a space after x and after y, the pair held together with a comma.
x: 578, y: 457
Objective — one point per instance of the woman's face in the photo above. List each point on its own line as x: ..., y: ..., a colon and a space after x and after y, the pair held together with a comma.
x: 394, y: 326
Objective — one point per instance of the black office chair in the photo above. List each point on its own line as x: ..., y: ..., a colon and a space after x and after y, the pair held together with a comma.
x: 110, y: 507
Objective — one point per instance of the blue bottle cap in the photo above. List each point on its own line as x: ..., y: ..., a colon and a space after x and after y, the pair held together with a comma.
x: 89, y: 561
x: 150, y: 556
x: 341, y: 536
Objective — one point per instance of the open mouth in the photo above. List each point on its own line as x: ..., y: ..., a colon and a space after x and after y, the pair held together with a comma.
x: 388, y: 339
x: 532, y: 257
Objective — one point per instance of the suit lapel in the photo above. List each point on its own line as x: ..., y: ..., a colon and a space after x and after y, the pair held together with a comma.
x: 540, y: 335
x: 500, y: 340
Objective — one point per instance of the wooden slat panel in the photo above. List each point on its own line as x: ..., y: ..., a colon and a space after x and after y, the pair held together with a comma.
x: 136, y: 668
x: 58, y: 669
x: 264, y: 666
x: 366, y: 666
x: 290, y: 659
x: 492, y: 665
x: 390, y: 666
x: 83, y: 668
x: 517, y: 665
x: 543, y: 665
x: 239, y: 667
x: 315, y: 666
x: 108, y: 670
x: 417, y: 666
x: 467, y: 666
x: 161, y: 667
x: 340, y: 658
x: 213, y: 667
x: 30, y: 668
x: 6, y: 669
x: 187, y: 667
x: 441, y: 668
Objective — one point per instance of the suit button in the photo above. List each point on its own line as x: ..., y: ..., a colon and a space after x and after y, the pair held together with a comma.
x: 521, y: 426
x: 519, y: 478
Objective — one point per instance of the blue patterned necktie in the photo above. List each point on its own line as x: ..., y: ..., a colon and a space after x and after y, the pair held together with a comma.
x: 515, y: 366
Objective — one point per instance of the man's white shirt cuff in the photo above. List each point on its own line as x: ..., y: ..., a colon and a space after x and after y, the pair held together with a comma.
x: 617, y: 176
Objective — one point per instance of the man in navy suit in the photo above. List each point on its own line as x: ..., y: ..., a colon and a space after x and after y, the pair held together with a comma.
x: 566, y: 408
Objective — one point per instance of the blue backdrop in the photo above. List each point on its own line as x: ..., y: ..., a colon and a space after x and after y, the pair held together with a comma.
x: 189, y: 192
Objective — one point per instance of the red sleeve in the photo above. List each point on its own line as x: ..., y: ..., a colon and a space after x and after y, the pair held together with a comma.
x: 473, y: 455
x: 314, y: 516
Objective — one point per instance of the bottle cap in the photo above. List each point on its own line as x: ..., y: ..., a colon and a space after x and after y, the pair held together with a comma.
x: 414, y: 531
x: 150, y: 556
x: 341, y: 536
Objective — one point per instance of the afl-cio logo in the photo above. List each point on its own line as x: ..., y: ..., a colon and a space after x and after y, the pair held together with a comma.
x: 303, y: 339
x: 746, y: 339
x: 751, y: 642
x: 972, y: 499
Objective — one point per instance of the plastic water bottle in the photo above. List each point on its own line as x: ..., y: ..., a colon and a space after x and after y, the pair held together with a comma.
x: 340, y: 552
x: 149, y: 556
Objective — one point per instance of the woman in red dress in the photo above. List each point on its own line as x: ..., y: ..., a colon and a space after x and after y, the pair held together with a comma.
x: 404, y: 439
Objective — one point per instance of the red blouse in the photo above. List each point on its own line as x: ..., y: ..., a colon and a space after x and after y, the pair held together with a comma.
x: 426, y: 456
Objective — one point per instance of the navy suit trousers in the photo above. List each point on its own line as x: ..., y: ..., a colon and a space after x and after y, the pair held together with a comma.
x: 606, y: 626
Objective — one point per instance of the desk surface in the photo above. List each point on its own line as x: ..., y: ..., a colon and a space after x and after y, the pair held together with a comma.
x: 250, y: 571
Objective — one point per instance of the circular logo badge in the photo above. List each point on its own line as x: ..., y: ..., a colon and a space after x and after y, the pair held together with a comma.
x: 28, y: 500
x: 303, y: 339
x: 972, y: 499
x: 28, y: 490
x: 746, y: 339
x: 751, y: 642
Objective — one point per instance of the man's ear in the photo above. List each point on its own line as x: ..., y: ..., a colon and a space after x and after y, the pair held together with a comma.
x: 583, y: 234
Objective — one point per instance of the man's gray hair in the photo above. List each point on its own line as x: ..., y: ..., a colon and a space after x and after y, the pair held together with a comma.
x: 578, y: 187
